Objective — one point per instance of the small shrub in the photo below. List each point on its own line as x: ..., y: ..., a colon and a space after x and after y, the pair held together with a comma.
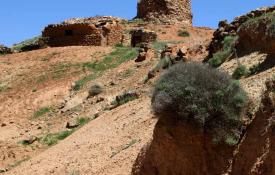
x: 42, y: 111
x: 226, y: 52
x: 95, y: 90
x: 52, y: 139
x: 239, y: 72
x: 82, y: 121
x: 254, y: 69
x: 163, y: 63
x: 194, y: 92
x: 124, y: 98
x: 183, y: 33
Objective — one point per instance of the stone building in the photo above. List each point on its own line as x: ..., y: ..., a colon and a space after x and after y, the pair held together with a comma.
x: 165, y: 11
x: 97, y: 31
x: 139, y: 36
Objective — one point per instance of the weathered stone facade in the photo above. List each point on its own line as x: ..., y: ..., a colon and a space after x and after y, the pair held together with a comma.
x: 98, y: 31
x: 166, y: 11
x: 139, y: 36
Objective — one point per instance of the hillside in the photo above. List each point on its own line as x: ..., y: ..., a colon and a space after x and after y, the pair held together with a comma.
x: 38, y: 99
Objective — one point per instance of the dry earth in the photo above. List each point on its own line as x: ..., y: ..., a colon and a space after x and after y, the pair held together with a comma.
x: 108, y: 144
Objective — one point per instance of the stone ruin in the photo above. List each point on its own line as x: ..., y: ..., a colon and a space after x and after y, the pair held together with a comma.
x: 5, y: 50
x: 139, y: 36
x: 166, y: 11
x: 96, y: 31
x: 231, y: 29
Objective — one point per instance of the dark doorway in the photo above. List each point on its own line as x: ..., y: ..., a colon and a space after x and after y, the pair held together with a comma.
x: 136, y: 40
x: 69, y: 33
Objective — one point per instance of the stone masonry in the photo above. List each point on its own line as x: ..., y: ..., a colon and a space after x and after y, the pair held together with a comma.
x: 97, y: 31
x: 165, y: 11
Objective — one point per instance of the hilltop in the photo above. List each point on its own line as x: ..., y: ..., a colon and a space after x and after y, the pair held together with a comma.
x: 86, y: 108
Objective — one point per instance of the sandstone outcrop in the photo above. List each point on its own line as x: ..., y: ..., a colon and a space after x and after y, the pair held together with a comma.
x: 165, y: 11
x: 236, y: 28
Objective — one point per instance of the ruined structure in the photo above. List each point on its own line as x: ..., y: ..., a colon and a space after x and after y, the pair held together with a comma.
x: 97, y: 31
x: 139, y: 36
x: 165, y: 11
x: 4, y: 49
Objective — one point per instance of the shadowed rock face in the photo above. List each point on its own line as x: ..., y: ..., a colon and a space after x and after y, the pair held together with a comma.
x: 181, y: 149
x: 166, y: 11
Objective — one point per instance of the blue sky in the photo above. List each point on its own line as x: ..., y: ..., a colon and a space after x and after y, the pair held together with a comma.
x: 25, y: 19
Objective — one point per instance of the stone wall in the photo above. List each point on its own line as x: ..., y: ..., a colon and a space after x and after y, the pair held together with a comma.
x: 139, y: 36
x: 91, y: 31
x: 166, y: 11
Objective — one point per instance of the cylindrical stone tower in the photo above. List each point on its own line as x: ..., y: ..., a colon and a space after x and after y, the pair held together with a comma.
x: 166, y: 11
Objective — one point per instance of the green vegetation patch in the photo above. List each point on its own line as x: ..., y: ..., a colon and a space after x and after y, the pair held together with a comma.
x: 240, y: 71
x: 4, y: 87
x: 42, y: 111
x: 226, y: 52
x: 19, y: 47
x: 113, y: 60
x: 255, y: 22
x: 203, y: 96
x: 160, y: 45
x: 183, y: 33
x: 53, y: 139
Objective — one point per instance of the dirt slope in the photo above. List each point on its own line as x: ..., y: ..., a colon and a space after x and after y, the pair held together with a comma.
x: 101, y: 147
x: 109, y: 144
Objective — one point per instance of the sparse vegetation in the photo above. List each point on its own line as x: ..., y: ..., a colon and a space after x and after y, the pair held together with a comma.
x: 226, y: 52
x: 42, y: 111
x: 82, y: 121
x: 254, y: 69
x: 95, y: 90
x: 22, y: 45
x: 4, y: 87
x: 124, y: 98
x: 240, y: 71
x: 254, y: 22
x: 127, y: 73
x: 124, y: 147
x: 19, y: 162
x: 183, y: 33
x: 52, y: 139
x: 163, y: 63
x: 114, y: 59
x: 159, y: 45
x: 194, y: 92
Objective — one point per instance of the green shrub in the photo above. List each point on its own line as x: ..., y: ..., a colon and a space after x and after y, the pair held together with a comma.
x: 124, y: 98
x: 183, y: 33
x: 52, y: 139
x: 226, y: 52
x: 42, y: 111
x: 193, y: 92
x: 254, y: 69
x: 239, y: 72
x: 95, y: 90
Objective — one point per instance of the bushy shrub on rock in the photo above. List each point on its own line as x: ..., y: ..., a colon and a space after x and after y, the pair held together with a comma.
x: 199, y: 94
